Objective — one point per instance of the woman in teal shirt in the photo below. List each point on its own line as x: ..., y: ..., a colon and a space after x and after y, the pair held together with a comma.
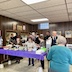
x: 60, y: 56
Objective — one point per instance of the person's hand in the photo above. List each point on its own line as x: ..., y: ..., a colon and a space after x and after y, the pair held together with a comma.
x: 23, y: 44
x: 38, y: 46
x: 11, y: 42
x: 29, y: 49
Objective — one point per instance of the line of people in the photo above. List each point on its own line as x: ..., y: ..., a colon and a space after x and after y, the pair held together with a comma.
x: 33, y: 40
x: 59, y: 55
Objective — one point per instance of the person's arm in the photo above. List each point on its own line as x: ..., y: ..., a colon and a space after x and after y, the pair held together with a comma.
x: 70, y: 57
x: 10, y: 41
x: 37, y: 40
x: 49, y: 55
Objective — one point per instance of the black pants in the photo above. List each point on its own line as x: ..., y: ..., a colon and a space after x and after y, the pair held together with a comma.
x: 42, y: 64
x: 18, y: 59
x: 30, y: 61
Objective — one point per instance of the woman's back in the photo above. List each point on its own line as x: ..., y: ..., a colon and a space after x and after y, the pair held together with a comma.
x: 60, y: 57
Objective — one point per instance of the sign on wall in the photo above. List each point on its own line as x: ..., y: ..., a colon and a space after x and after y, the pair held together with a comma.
x: 58, y: 32
x: 24, y: 27
x: 19, y: 27
x: 14, y: 26
x: 68, y: 34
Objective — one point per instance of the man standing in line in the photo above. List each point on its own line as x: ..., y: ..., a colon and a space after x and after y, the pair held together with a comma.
x: 54, y: 38
x: 47, y: 35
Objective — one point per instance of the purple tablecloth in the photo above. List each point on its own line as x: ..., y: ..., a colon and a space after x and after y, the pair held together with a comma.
x: 23, y: 54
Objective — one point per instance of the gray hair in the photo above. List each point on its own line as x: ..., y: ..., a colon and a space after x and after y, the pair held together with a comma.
x: 61, y: 40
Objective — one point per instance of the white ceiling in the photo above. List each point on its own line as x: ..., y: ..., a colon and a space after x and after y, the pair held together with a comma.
x: 54, y: 10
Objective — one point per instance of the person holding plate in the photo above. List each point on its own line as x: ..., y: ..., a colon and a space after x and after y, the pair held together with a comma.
x: 30, y: 45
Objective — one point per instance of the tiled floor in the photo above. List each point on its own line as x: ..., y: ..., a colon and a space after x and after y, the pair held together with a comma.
x: 23, y: 67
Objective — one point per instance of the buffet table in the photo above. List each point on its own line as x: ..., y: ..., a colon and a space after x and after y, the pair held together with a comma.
x: 27, y: 54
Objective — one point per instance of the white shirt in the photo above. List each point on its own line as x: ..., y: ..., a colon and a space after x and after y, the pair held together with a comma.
x: 54, y: 37
x: 1, y: 41
x: 30, y: 44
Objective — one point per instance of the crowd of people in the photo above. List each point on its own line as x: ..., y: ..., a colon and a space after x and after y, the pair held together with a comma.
x: 59, y: 55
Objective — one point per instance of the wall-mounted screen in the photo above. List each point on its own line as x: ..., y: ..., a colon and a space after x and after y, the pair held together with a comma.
x: 43, y: 26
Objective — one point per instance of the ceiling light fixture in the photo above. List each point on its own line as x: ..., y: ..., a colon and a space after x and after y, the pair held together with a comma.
x: 39, y: 20
x: 32, y: 1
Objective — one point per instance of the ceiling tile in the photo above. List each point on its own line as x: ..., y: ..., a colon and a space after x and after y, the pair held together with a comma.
x: 20, y: 9
x: 11, y: 15
x: 68, y: 1
x: 11, y: 4
x: 70, y: 18
x: 59, y: 20
x: 56, y: 16
x: 20, y: 18
x: 4, y: 13
x: 26, y: 13
x: 70, y: 10
x: 25, y: 19
x: 3, y: 0
x: 69, y: 5
x: 35, y: 17
x: 62, y: 19
x: 47, y: 4
x: 54, y: 12
x: 55, y: 8
x: 28, y: 21
x: 0, y: 9
x: 31, y: 15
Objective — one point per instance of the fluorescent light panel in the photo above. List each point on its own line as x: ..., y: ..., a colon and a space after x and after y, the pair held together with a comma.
x: 39, y: 20
x: 32, y: 1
